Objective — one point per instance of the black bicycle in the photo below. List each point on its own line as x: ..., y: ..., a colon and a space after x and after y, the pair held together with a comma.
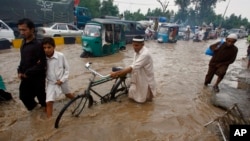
x: 77, y: 105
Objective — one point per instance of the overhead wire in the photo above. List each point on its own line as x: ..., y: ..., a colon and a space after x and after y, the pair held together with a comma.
x: 136, y: 3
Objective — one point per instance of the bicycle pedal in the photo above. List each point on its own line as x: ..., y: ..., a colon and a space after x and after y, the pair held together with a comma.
x: 95, y: 102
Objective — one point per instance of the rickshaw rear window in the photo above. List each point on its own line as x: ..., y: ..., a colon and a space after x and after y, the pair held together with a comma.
x: 163, y: 30
x: 92, y: 30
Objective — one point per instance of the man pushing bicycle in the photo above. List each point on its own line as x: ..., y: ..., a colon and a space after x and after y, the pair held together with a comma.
x: 142, y: 87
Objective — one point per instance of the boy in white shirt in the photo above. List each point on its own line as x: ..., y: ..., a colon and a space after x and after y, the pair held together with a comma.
x: 57, y: 74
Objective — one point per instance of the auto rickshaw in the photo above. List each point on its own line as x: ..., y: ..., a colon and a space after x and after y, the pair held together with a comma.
x: 102, y: 37
x: 167, y: 33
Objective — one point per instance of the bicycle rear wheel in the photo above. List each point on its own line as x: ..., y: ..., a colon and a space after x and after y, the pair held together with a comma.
x: 73, y: 108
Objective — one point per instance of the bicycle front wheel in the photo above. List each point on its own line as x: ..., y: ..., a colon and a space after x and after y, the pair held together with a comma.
x: 73, y: 108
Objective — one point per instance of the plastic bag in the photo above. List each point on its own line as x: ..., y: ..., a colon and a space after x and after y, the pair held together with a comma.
x: 209, y: 51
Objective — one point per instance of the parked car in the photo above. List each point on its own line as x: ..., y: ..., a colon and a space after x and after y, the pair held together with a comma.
x: 6, y: 32
x: 58, y: 30
x: 240, y: 33
x: 182, y: 31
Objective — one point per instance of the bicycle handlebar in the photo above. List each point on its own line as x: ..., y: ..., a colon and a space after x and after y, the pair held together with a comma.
x: 87, y: 66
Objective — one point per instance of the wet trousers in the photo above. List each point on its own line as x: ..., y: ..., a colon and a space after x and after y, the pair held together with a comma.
x: 212, y: 70
x: 31, y: 88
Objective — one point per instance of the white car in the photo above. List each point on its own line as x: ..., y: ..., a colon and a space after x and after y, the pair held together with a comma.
x: 239, y: 32
x: 6, y: 32
x: 59, y: 30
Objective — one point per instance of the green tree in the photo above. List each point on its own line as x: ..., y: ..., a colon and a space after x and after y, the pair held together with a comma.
x: 164, y: 5
x: 234, y: 21
x: 204, y: 9
x: 157, y: 12
x: 92, y: 5
x: 183, y: 5
x: 191, y: 19
x: 136, y: 16
x: 108, y: 8
x: 128, y: 15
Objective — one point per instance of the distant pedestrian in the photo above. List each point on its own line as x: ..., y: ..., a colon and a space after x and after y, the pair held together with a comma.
x: 32, y: 67
x: 224, y: 55
x: 201, y: 34
x: 171, y: 34
x: 57, y: 74
x: 248, y: 56
x: 187, y: 33
x: 206, y: 31
x: 156, y: 24
x: 122, y: 17
x: 149, y: 32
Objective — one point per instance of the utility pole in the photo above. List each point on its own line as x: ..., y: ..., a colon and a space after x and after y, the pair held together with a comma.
x: 224, y: 13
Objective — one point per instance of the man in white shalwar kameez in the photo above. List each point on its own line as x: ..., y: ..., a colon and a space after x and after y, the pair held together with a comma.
x: 142, y: 87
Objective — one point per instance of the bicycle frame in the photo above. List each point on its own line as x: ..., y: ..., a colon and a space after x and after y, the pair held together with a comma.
x: 110, y: 95
x: 76, y: 105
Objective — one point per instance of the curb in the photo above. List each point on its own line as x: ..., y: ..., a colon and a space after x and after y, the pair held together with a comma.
x: 5, y: 44
x: 58, y: 41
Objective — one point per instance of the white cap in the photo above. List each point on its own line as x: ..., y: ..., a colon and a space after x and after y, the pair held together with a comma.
x: 232, y: 36
x: 138, y: 38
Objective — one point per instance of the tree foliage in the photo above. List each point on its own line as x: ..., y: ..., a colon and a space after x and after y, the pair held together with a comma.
x: 164, y: 5
x: 92, y: 5
x: 157, y: 12
x: 183, y: 13
x: 108, y: 8
x: 235, y: 22
x: 204, y: 9
x: 134, y: 16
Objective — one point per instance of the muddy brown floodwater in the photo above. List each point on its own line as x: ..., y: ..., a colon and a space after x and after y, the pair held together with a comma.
x: 178, y: 113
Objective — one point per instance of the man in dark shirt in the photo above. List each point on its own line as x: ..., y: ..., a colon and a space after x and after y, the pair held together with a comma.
x: 224, y: 55
x: 32, y: 67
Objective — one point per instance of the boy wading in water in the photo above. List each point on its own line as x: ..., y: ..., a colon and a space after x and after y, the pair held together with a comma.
x: 57, y: 74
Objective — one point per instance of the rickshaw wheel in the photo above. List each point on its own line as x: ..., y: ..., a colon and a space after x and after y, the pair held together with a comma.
x: 123, y: 48
x: 85, y: 54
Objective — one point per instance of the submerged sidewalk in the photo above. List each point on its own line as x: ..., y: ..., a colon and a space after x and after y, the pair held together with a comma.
x: 239, y: 95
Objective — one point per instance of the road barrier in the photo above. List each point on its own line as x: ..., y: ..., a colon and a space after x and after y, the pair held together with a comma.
x: 79, y: 40
x: 16, y: 43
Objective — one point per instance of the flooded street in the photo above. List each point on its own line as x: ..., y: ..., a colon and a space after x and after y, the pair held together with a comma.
x: 178, y: 113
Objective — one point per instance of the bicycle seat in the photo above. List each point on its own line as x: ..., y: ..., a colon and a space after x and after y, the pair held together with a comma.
x: 116, y: 69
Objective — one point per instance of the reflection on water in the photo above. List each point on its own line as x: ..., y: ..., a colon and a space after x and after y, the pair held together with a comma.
x: 178, y: 113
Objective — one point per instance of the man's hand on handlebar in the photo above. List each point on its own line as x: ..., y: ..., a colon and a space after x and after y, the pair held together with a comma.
x: 120, y: 73
x: 114, y: 74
